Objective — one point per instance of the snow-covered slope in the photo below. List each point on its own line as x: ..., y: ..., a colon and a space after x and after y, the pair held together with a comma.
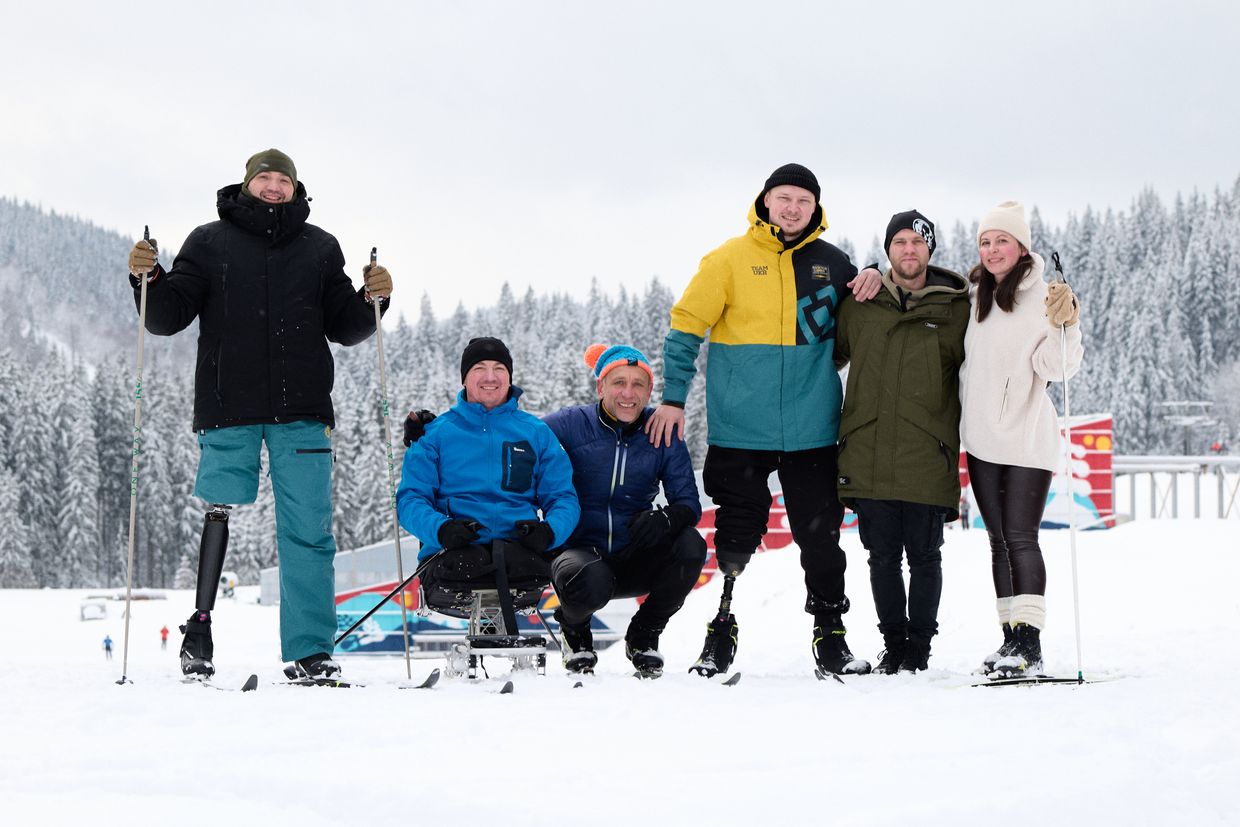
x: 1159, y: 609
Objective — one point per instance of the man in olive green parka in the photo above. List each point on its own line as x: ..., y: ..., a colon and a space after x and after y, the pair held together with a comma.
x: 899, y: 442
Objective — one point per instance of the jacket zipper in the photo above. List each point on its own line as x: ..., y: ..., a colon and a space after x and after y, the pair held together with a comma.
x: 1003, y: 406
x: 615, y: 467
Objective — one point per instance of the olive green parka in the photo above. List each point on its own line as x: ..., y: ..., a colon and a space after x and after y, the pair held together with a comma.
x: 900, y: 429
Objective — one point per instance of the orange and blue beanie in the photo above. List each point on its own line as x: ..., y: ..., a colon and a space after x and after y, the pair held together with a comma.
x: 601, y: 359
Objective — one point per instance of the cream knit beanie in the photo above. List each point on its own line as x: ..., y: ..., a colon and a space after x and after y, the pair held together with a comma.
x: 1009, y: 217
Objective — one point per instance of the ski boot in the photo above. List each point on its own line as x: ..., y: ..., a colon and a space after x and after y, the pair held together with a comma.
x: 578, y: 647
x: 831, y: 653
x: 988, y: 662
x: 720, y: 648
x: 317, y: 666
x: 916, y: 656
x: 1026, y: 657
x: 641, y: 646
x: 892, y: 656
x: 197, y: 649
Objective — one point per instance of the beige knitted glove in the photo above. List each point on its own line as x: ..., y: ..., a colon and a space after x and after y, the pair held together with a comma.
x: 1062, y: 308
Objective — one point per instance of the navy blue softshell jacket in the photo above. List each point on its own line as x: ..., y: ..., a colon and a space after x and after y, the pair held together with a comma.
x: 616, y: 476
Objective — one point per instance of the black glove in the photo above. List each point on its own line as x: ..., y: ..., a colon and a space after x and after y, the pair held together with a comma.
x: 649, y: 528
x: 457, y: 533
x: 415, y: 425
x: 534, y: 535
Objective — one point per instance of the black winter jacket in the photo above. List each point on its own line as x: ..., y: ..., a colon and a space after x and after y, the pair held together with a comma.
x: 269, y: 291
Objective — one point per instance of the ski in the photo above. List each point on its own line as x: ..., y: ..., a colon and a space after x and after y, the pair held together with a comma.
x: 1032, y: 680
x: 732, y: 681
x: 822, y: 676
x: 308, y: 681
x: 648, y: 674
x: 431, y: 680
x: 251, y: 683
x: 506, y: 689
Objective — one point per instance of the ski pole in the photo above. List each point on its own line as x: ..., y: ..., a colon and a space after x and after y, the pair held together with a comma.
x: 391, y: 466
x: 399, y: 588
x: 133, y: 467
x: 1067, y: 425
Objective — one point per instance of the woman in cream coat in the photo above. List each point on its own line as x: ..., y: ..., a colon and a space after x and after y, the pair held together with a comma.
x: 1014, y: 348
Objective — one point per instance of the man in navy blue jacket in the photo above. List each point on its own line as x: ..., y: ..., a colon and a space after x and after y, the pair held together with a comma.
x: 484, y: 470
x: 623, y: 546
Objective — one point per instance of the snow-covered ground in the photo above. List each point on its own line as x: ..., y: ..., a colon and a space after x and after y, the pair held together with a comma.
x: 1157, y: 745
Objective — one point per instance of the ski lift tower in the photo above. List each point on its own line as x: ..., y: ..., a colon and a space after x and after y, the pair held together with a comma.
x: 1187, y: 415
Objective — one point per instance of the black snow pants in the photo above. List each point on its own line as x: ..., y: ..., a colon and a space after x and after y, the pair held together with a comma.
x: 890, y: 529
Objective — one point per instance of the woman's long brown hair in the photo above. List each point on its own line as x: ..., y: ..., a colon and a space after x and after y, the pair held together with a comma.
x: 1004, y: 294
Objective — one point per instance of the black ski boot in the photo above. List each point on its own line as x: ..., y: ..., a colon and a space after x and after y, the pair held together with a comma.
x: 892, y: 656
x: 1026, y: 657
x: 988, y: 662
x: 720, y: 648
x: 318, y: 666
x: 578, y: 649
x: 831, y: 653
x: 916, y: 656
x: 197, y: 649
x: 641, y: 646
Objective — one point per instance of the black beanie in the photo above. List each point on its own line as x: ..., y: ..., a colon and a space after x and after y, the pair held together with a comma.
x: 795, y: 175
x: 911, y: 220
x: 483, y: 348
x: 269, y: 160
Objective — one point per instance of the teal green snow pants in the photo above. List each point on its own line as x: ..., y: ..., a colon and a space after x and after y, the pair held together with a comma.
x: 300, y: 459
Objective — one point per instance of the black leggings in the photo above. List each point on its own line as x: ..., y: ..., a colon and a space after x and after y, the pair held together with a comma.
x: 1012, y: 499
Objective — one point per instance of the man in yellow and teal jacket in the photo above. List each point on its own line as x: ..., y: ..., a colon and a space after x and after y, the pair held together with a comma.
x: 769, y: 300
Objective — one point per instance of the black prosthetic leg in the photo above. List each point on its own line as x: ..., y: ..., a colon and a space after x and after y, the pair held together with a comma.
x: 197, y: 649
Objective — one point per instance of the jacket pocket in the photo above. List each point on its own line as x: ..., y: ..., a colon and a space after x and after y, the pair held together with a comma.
x: 1003, y: 404
x: 518, y: 470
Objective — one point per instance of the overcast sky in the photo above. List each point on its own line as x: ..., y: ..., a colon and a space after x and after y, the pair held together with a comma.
x: 547, y: 143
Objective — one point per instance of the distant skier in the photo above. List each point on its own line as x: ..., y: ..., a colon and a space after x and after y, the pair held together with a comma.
x: 107, y: 647
x: 163, y: 638
x: 900, y: 433
x: 768, y: 299
x: 269, y: 292
x: 1009, y: 426
x: 623, y: 546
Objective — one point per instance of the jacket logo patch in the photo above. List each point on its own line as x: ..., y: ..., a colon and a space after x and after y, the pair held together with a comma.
x: 820, y: 272
x: 759, y: 269
x: 932, y: 325
x: 842, y: 480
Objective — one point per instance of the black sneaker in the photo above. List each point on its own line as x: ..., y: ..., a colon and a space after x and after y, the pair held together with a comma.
x: 831, y: 653
x: 578, y: 647
x: 197, y: 649
x: 641, y: 646
x: 916, y: 656
x: 318, y: 666
x: 890, y: 659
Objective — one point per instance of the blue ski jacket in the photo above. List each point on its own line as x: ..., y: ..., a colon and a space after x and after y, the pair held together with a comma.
x: 496, y: 467
x: 617, y: 474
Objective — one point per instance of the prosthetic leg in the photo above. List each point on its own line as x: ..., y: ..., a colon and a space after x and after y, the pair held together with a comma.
x: 197, y: 649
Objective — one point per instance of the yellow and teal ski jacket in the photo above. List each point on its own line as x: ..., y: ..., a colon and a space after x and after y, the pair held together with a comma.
x: 770, y: 309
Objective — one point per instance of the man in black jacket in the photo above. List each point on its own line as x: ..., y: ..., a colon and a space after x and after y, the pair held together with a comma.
x: 269, y: 292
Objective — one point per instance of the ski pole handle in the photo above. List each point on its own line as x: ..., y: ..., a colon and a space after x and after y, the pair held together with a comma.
x: 1058, y: 268
x: 146, y: 232
x: 374, y: 255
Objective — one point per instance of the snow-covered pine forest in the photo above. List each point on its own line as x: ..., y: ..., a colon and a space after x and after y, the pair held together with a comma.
x: 1160, y: 285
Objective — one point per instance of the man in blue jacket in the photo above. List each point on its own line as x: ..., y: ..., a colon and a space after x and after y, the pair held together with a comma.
x: 623, y: 547
x: 484, y: 470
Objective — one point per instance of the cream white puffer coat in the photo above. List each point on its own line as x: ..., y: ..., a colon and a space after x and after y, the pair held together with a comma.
x: 1007, y: 417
